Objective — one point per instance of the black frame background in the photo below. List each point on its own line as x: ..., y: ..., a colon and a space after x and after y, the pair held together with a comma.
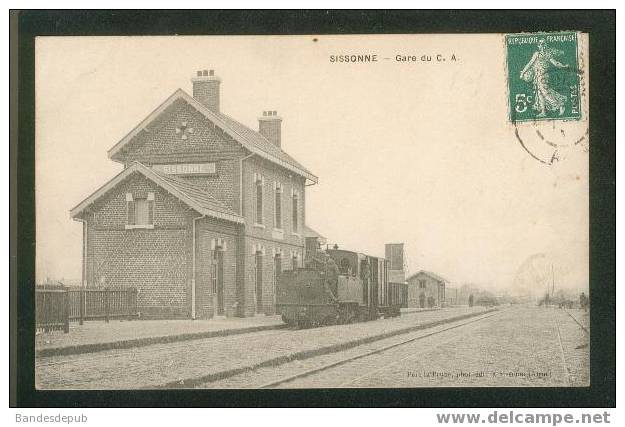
x: 601, y: 25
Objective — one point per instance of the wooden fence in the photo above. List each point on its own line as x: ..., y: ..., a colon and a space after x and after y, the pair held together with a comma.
x: 52, y: 308
x: 58, y: 305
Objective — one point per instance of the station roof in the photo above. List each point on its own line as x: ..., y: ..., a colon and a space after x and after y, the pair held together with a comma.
x: 248, y: 138
x: 192, y: 195
x: 430, y: 274
x: 309, y: 232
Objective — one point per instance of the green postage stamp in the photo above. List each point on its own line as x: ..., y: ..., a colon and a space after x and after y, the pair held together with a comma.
x: 543, y: 76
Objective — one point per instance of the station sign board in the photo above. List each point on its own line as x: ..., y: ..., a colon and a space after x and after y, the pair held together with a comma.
x: 187, y: 168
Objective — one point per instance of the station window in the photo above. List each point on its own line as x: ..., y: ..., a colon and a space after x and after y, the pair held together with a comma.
x: 421, y: 284
x: 278, y: 206
x: 140, y: 211
x: 344, y: 266
x: 259, y: 201
x: 295, y: 212
x: 277, y: 269
x: 214, y: 277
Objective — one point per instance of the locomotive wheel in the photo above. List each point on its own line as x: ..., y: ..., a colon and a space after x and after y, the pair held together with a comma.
x: 347, y: 315
x: 304, y: 324
x: 353, y: 317
x: 346, y: 318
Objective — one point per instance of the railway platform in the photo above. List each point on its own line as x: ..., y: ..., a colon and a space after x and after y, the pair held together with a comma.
x: 100, y: 336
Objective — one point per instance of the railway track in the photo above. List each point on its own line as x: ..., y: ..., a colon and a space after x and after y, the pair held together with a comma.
x: 175, y: 364
x: 578, y: 322
x: 565, y: 364
x: 567, y: 371
x: 327, y: 366
x: 48, y: 361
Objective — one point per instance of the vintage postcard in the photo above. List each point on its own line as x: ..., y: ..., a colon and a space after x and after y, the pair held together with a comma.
x: 356, y: 211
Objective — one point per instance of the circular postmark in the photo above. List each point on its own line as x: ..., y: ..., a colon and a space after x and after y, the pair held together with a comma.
x: 553, y: 141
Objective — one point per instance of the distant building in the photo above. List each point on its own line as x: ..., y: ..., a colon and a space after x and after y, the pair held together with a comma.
x: 394, y: 253
x: 423, y: 286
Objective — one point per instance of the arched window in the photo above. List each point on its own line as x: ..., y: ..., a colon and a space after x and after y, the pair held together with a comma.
x: 277, y: 269
x: 259, y: 183
x: 295, y: 212
x: 278, y: 206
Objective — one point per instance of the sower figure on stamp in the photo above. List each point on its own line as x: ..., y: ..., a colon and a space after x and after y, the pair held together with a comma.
x: 536, y: 71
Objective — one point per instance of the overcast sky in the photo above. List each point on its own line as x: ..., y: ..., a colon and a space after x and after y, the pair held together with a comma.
x: 420, y: 153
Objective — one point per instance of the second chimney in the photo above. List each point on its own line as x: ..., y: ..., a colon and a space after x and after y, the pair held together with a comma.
x: 206, y: 89
x: 269, y: 126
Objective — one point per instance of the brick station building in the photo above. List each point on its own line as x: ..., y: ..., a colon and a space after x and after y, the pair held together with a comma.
x: 204, y: 214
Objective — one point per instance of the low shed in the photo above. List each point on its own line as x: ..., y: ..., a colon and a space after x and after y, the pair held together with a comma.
x: 426, y: 289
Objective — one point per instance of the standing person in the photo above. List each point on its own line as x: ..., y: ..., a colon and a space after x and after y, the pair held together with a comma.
x: 583, y: 301
x: 365, y: 273
x: 471, y: 300
x: 332, y: 279
x: 365, y: 276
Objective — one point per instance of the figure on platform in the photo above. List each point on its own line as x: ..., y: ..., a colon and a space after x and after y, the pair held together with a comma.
x: 583, y: 301
x: 331, y: 279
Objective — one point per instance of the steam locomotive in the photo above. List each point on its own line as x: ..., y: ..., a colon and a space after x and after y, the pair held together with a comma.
x: 315, y: 296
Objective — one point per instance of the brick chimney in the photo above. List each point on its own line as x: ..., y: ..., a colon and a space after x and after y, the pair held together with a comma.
x: 206, y: 89
x: 269, y: 126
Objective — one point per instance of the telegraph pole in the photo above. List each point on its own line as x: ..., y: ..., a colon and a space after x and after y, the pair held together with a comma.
x: 552, y: 281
